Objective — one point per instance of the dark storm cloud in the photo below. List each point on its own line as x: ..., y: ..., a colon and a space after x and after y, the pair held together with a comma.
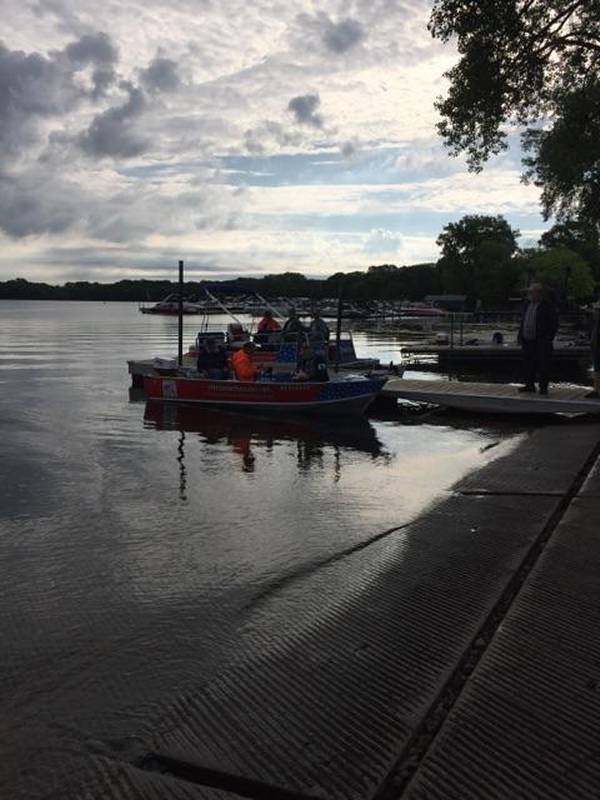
x: 342, y: 36
x: 304, y: 108
x: 35, y: 86
x: 160, y: 76
x: 111, y: 133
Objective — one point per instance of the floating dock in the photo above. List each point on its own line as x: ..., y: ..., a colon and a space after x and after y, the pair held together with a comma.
x: 499, y: 353
x: 493, y: 398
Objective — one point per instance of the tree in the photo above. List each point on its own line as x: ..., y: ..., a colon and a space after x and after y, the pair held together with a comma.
x: 564, y: 271
x: 581, y: 238
x: 477, y: 256
x: 521, y: 61
x: 564, y: 159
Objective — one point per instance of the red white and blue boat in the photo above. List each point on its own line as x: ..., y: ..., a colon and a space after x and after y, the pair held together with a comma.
x: 348, y: 394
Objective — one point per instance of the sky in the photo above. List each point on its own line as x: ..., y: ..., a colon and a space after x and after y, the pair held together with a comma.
x: 243, y: 137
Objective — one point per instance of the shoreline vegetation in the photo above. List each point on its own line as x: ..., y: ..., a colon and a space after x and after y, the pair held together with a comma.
x: 480, y: 261
x: 378, y: 282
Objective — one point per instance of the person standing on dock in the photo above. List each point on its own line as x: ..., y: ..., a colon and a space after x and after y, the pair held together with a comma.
x: 538, y: 328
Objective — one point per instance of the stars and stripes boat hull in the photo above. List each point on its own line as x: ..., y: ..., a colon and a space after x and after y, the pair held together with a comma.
x: 347, y: 395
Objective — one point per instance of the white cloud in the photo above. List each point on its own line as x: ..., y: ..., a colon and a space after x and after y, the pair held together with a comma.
x: 383, y: 241
x: 115, y: 142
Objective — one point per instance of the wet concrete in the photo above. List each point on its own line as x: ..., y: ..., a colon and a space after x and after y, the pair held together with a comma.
x: 527, y: 722
x: 456, y: 657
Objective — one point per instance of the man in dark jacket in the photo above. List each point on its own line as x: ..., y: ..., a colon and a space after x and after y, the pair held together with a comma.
x: 539, y: 324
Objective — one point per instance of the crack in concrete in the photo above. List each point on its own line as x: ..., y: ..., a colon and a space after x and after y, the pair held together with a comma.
x: 217, y: 779
x: 281, y: 583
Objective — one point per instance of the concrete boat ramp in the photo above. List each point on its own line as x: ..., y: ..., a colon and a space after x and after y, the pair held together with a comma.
x: 497, y: 398
x: 455, y: 657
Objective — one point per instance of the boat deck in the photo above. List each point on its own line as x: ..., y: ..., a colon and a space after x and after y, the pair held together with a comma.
x: 492, y: 397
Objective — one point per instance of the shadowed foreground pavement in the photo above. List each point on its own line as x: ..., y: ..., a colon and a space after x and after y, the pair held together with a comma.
x: 455, y: 657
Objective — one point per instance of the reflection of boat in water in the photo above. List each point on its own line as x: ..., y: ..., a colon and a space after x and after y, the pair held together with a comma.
x: 348, y: 394
x: 216, y: 425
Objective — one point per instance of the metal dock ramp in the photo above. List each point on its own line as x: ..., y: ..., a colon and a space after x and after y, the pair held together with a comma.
x: 492, y: 397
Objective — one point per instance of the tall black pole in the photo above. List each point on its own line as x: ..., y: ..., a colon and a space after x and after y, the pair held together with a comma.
x: 338, y: 331
x: 180, y: 316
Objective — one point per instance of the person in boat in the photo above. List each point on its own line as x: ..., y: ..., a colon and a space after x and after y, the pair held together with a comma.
x: 595, y: 345
x: 241, y: 361
x: 267, y: 327
x: 311, y: 367
x: 212, y: 361
x: 268, y: 323
x: 318, y: 328
x: 293, y: 327
x: 539, y: 324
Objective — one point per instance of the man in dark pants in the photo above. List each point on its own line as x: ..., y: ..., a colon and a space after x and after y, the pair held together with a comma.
x: 539, y: 324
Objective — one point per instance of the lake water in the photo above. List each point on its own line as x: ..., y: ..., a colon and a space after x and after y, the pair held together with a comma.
x: 135, y: 539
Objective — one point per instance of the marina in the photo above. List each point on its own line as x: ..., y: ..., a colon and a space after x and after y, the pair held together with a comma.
x: 300, y: 400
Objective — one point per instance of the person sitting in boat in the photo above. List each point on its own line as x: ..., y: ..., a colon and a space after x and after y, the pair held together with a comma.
x: 318, y: 328
x: 311, y: 367
x: 212, y: 361
x: 241, y: 361
x: 267, y: 327
x: 293, y: 327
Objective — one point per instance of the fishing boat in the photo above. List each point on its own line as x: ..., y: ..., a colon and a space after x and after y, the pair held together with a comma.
x: 277, y: 355
x: 341, y: 395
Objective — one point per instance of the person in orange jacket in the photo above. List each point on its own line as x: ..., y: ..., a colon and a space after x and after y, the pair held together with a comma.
x: 268, y: 323
x: 241, y: 362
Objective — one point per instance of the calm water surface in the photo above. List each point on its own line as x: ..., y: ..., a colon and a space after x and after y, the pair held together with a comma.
x: 134, y: 537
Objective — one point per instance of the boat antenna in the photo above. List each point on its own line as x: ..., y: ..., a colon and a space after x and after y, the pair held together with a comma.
x: 222, y: 305
x: 273, y: 308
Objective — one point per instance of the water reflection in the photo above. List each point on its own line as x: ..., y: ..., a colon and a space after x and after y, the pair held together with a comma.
x: 182, y: 472
x: 244, y: 432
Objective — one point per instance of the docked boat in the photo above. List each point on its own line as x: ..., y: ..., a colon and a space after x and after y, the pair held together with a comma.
x: 170, y: 306
x: 275, y: 354
x: 421, y: 310
x: 341, y: 395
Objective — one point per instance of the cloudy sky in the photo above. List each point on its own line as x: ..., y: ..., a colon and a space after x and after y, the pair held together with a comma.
x: 244, y: 137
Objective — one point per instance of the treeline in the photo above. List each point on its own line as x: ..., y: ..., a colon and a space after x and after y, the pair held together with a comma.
x: 479, y: 259
x: 378, y: 282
